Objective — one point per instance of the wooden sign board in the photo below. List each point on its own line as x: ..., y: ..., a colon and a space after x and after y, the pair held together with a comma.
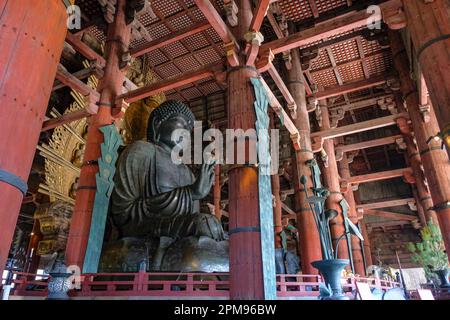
x: 364, y: 292
x: 425, y: 294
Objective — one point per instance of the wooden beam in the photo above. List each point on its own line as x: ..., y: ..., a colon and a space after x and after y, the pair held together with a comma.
x: 276, y: 106
x: 66, y: 118
x: 282, y: 87
x: 378, y: 176
x: 391, y: 215
x: 73, y: 82
x: 344, y: 23
x: 80, y: 75
x: 327, y: 29
x: 314, y: 9
x: 371, y: 225
x: 84, y: 49
x: 368, y: 144
x: 359, y: 104
x: 215, y: 20
x: 170, y: 38
x: 359, y: 127
x: 259, y: 14
x: 351, y: 87
x: 385, y: 204
x: 288, y: 210
x: 169, y: 84
x: 273, y: 22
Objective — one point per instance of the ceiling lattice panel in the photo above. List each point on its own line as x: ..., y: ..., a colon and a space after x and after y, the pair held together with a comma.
x: 296, y: 10
x: 206, y: 47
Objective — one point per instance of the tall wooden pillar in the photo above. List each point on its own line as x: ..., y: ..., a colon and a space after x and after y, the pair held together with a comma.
x: 246, y: 270
x: 429, y: 26
x: 216, y: 192
x: 32, y: 260
x: 358, y: 262
x: 331, y: 178
x: 110, y: 86
x: 32, y: 36
x: 277, y: 221
x: 435, y: 161
x: 309, y: 240
x: 277, y: 210
x: 421, y: 191
x: 367, y: 249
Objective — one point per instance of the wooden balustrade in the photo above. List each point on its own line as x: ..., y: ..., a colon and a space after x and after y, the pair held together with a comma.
x: 215, y: 285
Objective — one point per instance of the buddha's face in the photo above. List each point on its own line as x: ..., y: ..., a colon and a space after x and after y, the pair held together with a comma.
x: 168, y: 127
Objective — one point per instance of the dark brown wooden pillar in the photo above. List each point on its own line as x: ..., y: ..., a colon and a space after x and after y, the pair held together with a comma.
x: 32, y: 260
x: 277, y: 210
x: 110, y: 86
x: 32, y: 36
x: 367, y: 249
x: 331, y: 179
x: 421, y: 191
x: 358, y: 262
x: 435, y: 160
x: 429, y: 26
x: 216, y: 193
x: 246, y: 277
x: 277, y: 223
x: 309, y: 240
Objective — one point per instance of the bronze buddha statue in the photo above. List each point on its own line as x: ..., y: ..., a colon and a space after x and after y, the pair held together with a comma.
x: 154, y: 204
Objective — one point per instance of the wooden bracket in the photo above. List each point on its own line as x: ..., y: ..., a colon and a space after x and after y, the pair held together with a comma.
x: 395, y: 18
x: 231, y: 52
x: 425, y: 111
x: 254, y: 40
x: 231, y: 11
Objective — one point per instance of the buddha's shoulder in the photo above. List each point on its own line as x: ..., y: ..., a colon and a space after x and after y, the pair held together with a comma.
x: 139, y: 149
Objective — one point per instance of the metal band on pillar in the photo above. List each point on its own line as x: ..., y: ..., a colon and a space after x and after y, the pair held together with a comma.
x: 14, y: 181
x: 244, y: 229
x: 429, y: 43
x: 442, y: 206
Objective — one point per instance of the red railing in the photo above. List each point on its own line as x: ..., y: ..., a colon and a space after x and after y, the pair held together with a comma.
x: 349, y: 283
x: 214, y: 285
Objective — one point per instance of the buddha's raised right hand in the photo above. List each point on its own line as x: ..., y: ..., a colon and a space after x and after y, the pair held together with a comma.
x: 202, y: 185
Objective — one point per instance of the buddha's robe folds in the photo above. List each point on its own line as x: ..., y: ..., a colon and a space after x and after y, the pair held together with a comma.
x: 152, y: 197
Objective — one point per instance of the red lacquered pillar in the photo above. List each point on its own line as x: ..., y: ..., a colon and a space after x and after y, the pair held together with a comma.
x: 331, y: 177
x: 110, y: 87
x: 246, y: 270
x: 435, y: 160
x: 32, y: 36
x: 309, y: 240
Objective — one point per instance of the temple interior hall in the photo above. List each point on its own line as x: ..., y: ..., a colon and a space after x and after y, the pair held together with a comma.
x: 225, y: 149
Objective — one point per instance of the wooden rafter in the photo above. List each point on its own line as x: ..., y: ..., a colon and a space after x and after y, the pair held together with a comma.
x: 215, y: 20
x: 359, y: 127
x: 84, y: 49
x: 314, y: 9
x: 170, y: 38
x: 385, y: 204
x: 352, y: 87
x: 73, y: 82
x: 290, y: 126
x: 259, y: 14
x: 327, y: 29
x: 378, y: 176
x: 66, y: 118
x: 356, y: 104
x: 169, y: 84
x: 368, y: 144
x: 282, y: 87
